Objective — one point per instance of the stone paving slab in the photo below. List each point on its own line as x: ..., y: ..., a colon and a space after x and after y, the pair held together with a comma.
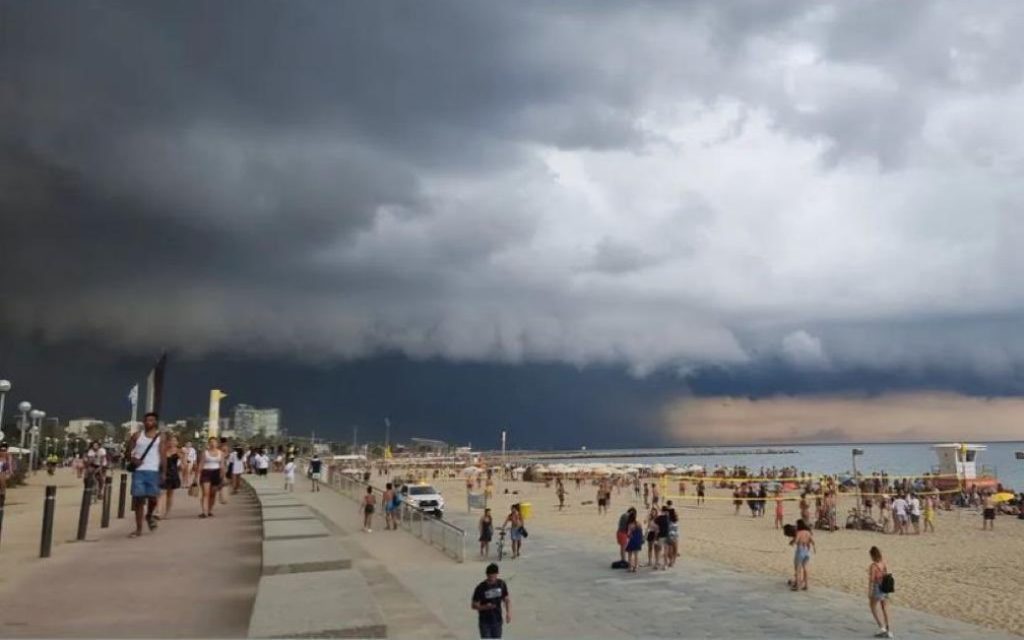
x: 303, y: 555
x: 321, y: 604
x: 274, y: 502
x: 288, y: 513
x: 294, y: 529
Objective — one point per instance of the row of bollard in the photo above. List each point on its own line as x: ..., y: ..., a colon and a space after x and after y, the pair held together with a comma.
x: 50, y: 503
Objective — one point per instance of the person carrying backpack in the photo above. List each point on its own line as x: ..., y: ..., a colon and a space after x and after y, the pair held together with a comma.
x: 880, y: 586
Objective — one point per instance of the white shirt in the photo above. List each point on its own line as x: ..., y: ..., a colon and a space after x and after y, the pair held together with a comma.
x: 915, y: 506
x: 152, y: 460
x: 190, y: 455
x: 211, y: 459
x: 899, y: 506
x: 289, y: 470
x: 237, y: 464
x: 96, y: 457
x: 262, y: 461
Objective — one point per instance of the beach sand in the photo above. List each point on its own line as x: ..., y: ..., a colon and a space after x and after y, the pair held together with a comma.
x: 960, y: 571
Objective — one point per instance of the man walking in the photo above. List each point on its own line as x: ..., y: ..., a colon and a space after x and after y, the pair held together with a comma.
x: 488, y: 597
x: 147, y: 451
x: 315, y: 465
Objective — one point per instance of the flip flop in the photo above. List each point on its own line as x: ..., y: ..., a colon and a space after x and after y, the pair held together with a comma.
x: 134, y: 534
x: 202, y: 515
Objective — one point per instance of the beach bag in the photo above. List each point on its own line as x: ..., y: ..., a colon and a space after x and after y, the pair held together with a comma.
x: 132, y: 465
x: 522, y: 531
x: 193, y: 490
x: 620, y: 564
x: 789, y: 530
x: 888, y: 584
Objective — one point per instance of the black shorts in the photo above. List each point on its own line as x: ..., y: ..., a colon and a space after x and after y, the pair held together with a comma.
x: 210, y: 477
x: 261, y: 472
x: 990, y: 514
x: 368, y: 509
x: 601, y: 502
x: 172, y: 481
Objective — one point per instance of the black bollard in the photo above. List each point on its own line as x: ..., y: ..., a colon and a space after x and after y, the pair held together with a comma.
x: 121, y: 496
x: 49, y: 503
x: 105, y: 518
x: 3, y: 500
x: 83, y: 514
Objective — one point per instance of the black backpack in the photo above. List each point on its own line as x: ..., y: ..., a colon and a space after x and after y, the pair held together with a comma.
x: 888, y: 584
x: 620, y: 564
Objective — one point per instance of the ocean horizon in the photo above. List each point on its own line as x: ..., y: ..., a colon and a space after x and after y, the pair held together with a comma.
x: 895, y: 458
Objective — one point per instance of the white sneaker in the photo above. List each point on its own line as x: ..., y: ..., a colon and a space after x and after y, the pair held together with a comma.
x: 369, y: 531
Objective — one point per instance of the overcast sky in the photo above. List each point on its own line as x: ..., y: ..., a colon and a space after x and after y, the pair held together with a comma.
x: 814, y: 193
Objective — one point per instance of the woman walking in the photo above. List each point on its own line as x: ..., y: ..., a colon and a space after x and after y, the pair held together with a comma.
x: 804, y: 542
x: 172, y: 474
x: 211, y: 473
x: 653, y: 557
x: 486, y: 526
x: 877, y: 598
x: 236, y: 461
x: 368, y: 507
x: 779, y: 515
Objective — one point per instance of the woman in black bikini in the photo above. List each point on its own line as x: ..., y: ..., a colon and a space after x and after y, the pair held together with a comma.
x: 172, y: 474
x: 368, y: 502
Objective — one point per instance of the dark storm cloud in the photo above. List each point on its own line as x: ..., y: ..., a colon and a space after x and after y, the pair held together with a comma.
x: 658, y: 185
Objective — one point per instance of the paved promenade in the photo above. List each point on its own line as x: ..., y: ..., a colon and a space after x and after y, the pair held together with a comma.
x: 563, y: 588
x: 192, y: 578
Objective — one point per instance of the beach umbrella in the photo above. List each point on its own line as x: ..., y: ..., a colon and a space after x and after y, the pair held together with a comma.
x: 470, y: 471
x: 519, y: 470
x: 1003, y: 497
x: 658, y: 469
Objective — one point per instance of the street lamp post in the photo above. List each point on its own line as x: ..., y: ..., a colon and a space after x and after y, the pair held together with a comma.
x: 856, y: 478
x: 5, y: 386
x: 24, y: 407
x: 33, y: 448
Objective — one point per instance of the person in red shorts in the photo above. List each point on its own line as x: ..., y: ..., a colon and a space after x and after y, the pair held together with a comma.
x: 622, y: 533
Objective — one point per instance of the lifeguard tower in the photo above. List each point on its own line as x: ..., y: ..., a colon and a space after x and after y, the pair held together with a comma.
x: 958, y: 466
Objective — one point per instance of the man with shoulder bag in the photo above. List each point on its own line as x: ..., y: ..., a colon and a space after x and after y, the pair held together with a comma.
x: 146, y: 449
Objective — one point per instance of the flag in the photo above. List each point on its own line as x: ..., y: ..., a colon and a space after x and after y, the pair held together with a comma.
x: 155, y: 385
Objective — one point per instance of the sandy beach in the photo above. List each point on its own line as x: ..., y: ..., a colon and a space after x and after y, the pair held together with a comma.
x: 958, y: 572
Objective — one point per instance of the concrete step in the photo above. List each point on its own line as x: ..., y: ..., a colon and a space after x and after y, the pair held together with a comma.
x: 320, y: 604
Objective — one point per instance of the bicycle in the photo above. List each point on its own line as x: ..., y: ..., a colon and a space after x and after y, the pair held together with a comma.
x: 858, y: 519
x: 501, y: 544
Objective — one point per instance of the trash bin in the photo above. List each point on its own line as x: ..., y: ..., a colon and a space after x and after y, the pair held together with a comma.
x: 526, y: 510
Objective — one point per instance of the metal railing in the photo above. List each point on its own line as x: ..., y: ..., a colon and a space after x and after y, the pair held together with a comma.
x: 451, y: 540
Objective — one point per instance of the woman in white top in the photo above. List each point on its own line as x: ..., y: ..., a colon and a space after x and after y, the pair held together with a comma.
x: 211, y: 471
x: 237, y: 462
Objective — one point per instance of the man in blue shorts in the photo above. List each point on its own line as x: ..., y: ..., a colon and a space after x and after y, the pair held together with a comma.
x: 147, y: 449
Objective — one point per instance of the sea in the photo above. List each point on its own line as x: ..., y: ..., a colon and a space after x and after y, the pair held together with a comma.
x: 896, y: 459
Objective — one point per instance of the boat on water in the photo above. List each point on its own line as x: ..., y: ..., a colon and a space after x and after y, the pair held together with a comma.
x: 958, y: 467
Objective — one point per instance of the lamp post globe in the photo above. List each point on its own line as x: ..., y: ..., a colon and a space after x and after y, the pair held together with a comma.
x: 5, y: 386
x: 24, y: 407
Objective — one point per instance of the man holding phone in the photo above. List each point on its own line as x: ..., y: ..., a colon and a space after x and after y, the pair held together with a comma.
x: 488, y: 597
